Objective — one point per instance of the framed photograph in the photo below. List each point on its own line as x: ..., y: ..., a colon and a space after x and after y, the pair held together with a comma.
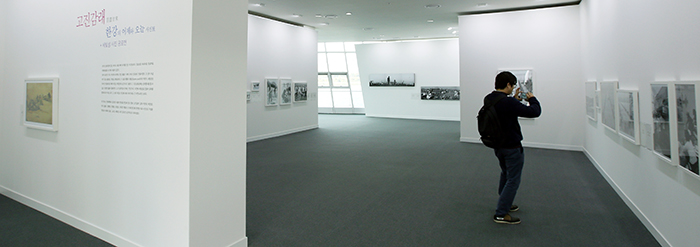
x: 686, y: 111
x: 271, y: 91
x: 285, y: 91
x: 607, y: 107
x: 392, y: 80
x: 524, y: 82
x: 660, y: 112
x: 439, y: 93
x: 591, y: 88
x: 301, y: 92
x: 255, y: 86
x: 247, y: 95
x: 41, y: 104
x: 628, y: 115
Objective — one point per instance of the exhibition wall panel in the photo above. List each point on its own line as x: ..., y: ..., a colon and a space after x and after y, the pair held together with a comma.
x: 622, y: 43
x: 547, y: 41
x: 433, y: 62
x: 119, y: 167
x: 280, y: 50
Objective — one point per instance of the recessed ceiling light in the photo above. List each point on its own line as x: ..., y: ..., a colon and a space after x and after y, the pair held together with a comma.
x: 432, y: 6
x: 431, y: 21
x: 296, y: 15
x: 449, y: 29
x: 319, y: 16
x: 348, y: 13
x: 455, y: 32
x: 368, y: 29
x: 324, y: 24
x: 259, y: 4
x: 481, y: 5
x: 331, y: 16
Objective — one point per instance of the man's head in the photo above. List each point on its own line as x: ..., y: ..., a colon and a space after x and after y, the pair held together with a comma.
x: 504, y: 79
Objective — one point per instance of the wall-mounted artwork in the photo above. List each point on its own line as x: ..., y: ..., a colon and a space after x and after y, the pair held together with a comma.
x: 686, y: 109
x: 524, y: 82
x: 285, y: 91
x: 301, y: 92
x: 272, y: 91
x: 439, y: 93
x: 591, y: 88
x: 662, y: 125
x: 628, y: 115
x: 41, y: 104
x: 247, y: 95
x: 255, y: 86
x: 607, y: 107
x: 392, y: 80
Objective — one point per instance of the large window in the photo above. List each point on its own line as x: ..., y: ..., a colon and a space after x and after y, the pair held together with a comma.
x: 339, y: 88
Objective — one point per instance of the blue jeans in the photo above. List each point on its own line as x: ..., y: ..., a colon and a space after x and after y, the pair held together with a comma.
x: 511, y: 162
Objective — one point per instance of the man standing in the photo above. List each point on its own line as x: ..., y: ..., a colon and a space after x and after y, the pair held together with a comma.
x: 510, y: 153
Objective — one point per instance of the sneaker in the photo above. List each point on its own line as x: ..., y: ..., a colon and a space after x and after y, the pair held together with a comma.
x: 506, y: 219
x: 514, y: 208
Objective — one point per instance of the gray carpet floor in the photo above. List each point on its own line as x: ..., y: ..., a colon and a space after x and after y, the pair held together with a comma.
x: 359, y: 181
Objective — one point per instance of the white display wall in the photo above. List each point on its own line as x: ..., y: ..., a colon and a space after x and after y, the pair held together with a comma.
x: 547, y: 41
x: 434, y: 63
x: 132, y: 162
x: 280, y: 50
x: 638, y: 43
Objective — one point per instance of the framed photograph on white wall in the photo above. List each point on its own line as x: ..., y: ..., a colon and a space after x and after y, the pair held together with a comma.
x: 628, y: 115
x: 285, y: 91
x: 41, y: 104
x: 301, y: 91
x: 660, y: 114
x: 591, y: 88
x: 271, y: 91
x: 607, y: 108
x: 687, y: 125
x: 254, y: 86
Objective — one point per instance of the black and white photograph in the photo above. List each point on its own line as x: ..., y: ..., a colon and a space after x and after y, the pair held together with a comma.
x: 439, y: 93
x: 300, y: 92
x: 392, y: 80
x: 272, y: 94
x: 285, y: 91
x: 628, y: 112
x: 607, y: 107
x: 687, y: 127
x: 255, y: 86
x: 524, y: 83
x: 662, y: 126
x: 591, y: 88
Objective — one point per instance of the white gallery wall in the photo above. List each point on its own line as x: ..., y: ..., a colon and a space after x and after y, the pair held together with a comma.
x: 544, y: 40
x: 637, y: 43
x: 141, y: 157
x: 434, y: 63
x: 280, y: 50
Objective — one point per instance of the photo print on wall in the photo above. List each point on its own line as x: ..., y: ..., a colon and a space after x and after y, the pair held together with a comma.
x: 392, y: 80
x: 300, y: 92
x: 591, y: 88
x: 272, y: 88
x: 524, y: 82
x: 41, y: 104
x: 254, y: 86
x: 628, y: 112
x: 439, y: 93
x: 686, y: 109
x: 607, y: 107
x: 662, y: 124
x: 285, y: 91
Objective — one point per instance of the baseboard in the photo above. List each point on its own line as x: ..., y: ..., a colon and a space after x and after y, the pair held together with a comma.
x: 69, y: 219
x: 417, y: 117
x: 532, y: 145
x: 240, y: 243
x: 281, y: 133
x: 643, y: 218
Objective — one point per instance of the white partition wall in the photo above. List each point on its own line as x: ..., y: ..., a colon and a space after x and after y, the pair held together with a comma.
x: 547, y: 41
x: 280, y: 50
x: 434, y: 63
x: 151, y: 148
x: 638, y: 43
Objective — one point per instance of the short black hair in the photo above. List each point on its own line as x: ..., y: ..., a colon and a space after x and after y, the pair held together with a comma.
x: 504, y: 78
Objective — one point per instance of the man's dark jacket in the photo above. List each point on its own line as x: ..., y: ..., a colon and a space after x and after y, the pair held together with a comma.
x: 509, y: 109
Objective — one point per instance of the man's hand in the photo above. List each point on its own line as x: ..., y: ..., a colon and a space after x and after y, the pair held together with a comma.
x: 529, y: 95
x: 517, y: 94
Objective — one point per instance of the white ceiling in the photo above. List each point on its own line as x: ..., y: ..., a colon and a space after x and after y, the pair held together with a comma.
x: 376, y: 20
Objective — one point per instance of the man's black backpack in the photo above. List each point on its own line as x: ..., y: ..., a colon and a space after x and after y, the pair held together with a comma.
x: 489, y: 126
